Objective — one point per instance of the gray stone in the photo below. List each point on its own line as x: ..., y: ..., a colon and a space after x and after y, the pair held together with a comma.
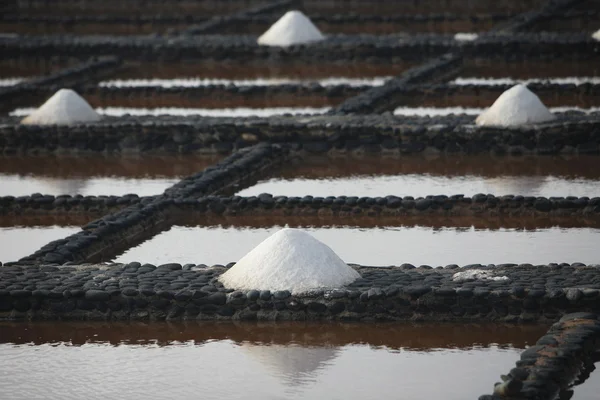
x: 97, y: 295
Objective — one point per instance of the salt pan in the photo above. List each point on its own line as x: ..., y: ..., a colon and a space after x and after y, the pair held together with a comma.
x: 516, y: 106
x: 290, y: 259
x: 65, y: 107
x: 596, y: 35
x: 477, y: 274
x: 293, y: 28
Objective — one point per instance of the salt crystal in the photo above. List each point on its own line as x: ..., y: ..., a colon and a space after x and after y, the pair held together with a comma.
x: 293, y: 28
x: 466, y: 37
x: 290, y: 259
x: 596, y: 35
x: 65, y: 107
x: 516, y: 106
x: 477, y: 274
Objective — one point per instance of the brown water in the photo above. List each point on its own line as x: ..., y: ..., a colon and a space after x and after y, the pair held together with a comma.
x: 20, y: 241
x: 271, y: 361
x: 528, y: 69
x: 96, y: 175
x: 380, y: 245
x: 421, y: 176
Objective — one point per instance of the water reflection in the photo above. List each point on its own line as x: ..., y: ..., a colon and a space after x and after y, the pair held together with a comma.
x: 18, y: 241
x: 293, y: 364
x: 419, y: 245
x: 415, y: 337
x: 17, y: 185
x: 421, y: 176
x: 266, y: 360
x: 96, y: 175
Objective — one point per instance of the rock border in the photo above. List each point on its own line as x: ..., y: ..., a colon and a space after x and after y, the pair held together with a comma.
x: 565, y: 354
x: 571, y: 133
x: 171, y: 291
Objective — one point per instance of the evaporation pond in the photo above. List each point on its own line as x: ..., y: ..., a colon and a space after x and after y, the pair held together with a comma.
x: 216, y: 361
x: 96, y: 175
x: 380, y: 246
x: 19, y: 241
x: 375, y: 176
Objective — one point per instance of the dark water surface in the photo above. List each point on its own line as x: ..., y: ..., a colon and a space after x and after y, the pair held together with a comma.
x: 268, y: 361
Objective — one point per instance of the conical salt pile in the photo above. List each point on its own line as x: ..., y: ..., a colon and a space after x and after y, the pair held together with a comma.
x: 293, y: 28
x: 596, y: 35
x: 65, y: 107
x: 517, y: 106
x: 290, y: 259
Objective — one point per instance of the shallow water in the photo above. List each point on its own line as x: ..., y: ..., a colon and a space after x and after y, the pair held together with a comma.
x: 270, y: 361
x: 198, y: 82
x: 19, y: 241
x: 437, y: 111
x: 96, y: 175
x: 572, y: 80
x: 16, y: 185
x: 420, y: 176
x: 379, y: 246
x: 206, y: 112
x: 426, y: 184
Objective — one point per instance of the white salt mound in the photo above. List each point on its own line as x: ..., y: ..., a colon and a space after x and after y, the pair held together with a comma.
x: 290, y: 259
x: 466, y: 37
x: 293, y: 28
x: 596, y: 35
x: 516, y: 106
x: 65, y: 107
x: 477, y: 274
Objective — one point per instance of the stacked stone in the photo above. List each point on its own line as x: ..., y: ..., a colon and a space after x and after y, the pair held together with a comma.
x: 566, y: 353
x: 571, y: 133
x: 134, y: 291
x: 346, y: 206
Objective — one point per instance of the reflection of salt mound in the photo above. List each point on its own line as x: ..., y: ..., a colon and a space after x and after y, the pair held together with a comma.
x: 293, y: 28
x: 477, y: 274
x: 523, y: 185
x: 290, y: 259
x: 295, y: 364
x: 596, y: 35
x: 65, y: 107
x: 65, y: 186
x: 516, y: 106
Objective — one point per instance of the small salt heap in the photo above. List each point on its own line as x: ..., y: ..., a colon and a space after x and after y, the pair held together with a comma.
x: 477, y: 274
x: 596, y: 35
x: 293, y: 28
x: 290, y: 259
x: 516, y: 106
x: 465, y: 37
x: 65, y: 107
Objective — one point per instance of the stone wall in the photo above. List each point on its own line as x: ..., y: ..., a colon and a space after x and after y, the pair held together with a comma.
x: 562, y: 358
x: 480, y: 205
x: 346, y: 48
x: 526, y: 293
x: 572, y: 133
